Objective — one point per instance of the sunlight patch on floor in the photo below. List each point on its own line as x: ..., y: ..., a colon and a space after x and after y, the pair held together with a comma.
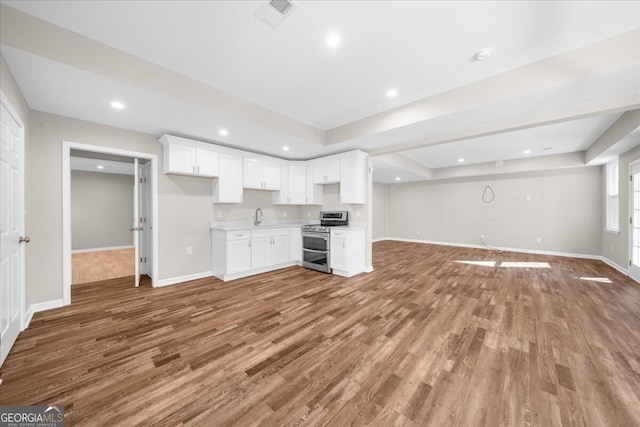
x: 480, y: 263
x: 507, y: 264
x: 595, y: 279
x: 518, y: 264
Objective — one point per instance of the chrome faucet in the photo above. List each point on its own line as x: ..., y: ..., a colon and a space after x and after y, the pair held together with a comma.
x: 258, y: 221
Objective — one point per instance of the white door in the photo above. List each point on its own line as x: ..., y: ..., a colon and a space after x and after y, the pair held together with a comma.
x: 11, y: 228
x: 145, y: 219
x: 135, y: 228
x: 634, y: 227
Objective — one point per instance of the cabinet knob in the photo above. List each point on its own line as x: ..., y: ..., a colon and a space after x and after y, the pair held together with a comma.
x: 25, y: 239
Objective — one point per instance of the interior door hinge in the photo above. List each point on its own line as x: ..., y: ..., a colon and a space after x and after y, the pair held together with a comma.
x: 140, y: 259
x: 140, y: 180
x: 629, y: 263
x: 631, y: 220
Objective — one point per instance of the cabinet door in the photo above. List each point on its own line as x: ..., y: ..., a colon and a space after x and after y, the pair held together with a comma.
x: 238, y: 256
x: 332, y: 171
x: 252, y: 175
x: 207, y: 162
x: 318, y: 168
x: 280, y: 248
x: 260, y: 252
x: 271, y: 176
x: 228, y: 187
x: 352, y: 180
x: 313, y: 191
x: 338, y: 253
x: 281, y: 197
x: 297, y: 184
x: 182, y: 159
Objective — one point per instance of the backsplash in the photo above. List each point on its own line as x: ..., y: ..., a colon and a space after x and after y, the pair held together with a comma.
x: 254, y: 199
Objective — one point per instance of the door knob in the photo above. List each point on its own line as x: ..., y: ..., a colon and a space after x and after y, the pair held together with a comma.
x: 24, y: 239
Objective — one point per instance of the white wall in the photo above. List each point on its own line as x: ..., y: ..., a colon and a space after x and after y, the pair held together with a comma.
x: 379, y: 211
x: 184, y: 203
x: 564, y: 210
x: 101, y: 210
x: 615, y: 246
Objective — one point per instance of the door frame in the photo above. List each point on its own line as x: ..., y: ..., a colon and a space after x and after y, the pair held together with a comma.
x: 630, y: 212
x: 67, y: 146
x: 21, y: 221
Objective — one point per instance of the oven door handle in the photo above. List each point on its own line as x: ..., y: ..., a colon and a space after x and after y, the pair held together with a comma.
x: 315, y: 236
x: 315, y: 251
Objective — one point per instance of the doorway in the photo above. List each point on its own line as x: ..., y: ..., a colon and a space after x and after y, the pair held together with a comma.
x: 142, y: 213
x: 634, y: 227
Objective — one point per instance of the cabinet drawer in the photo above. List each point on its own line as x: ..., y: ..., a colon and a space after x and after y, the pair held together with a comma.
x: 238, y: 235
x: 270, y: 232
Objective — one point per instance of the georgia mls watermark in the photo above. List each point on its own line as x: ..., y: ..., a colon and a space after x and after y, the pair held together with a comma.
x: 32, y: 416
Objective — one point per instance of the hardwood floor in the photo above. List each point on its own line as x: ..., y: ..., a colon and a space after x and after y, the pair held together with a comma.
x: 101, y: 265
x: 436, y: 336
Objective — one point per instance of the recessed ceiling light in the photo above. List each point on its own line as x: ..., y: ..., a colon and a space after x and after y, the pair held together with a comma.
x: 527, y: 151
x: 223, y: 132
x: 392, y: 93
x: 333, y: 39
x: 117, y: 105
x: 397, y: 178
x: 483, y: 54
x: 460, y: 160
x: 100, y: 167
x: 285, y: 148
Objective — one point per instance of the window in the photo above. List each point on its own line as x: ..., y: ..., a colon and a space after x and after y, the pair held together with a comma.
x: 612, y: 201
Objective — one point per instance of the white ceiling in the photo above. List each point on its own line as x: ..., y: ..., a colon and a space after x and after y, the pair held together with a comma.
x: 326, y: 96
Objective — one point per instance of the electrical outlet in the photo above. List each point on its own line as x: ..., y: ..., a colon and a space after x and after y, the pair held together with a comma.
x: 284, y: 214
x: 218, y: 214
x: 528, y: 197
x: 189, y: 250
x: 357, y: 213
x: 539, y: 240
x: 482, y: 236
x: 308, y: 213
x: 417, y: 232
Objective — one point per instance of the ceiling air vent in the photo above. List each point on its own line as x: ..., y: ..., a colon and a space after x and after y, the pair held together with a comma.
x: 273, y: 12
x: 281, y: 6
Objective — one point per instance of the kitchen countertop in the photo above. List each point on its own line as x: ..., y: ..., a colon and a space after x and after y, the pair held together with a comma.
x: 236, y: 226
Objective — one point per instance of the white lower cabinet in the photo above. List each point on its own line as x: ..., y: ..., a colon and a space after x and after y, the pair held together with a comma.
x: 347, y: 251
x: 269, y: 247
x: 231, y: 252
x: 243, y: 253
x: 238, y: 256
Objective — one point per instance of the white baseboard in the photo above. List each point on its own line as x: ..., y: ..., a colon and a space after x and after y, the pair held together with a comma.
x: 368, y: 269
x: 109, y: 248
x: 180, y: 279
x: 500, y: 248
x: 610, y: 263
x: 41, y: 306
x: 379, y: 239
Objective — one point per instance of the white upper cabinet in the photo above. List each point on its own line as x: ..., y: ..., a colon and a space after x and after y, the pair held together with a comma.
x: 261, y: 175
x: 293, y: 182
x: 228, y: 187
x: 184, y: 158
x: 353, y: 178
x: 293, y: 189
x: 313, y: 191
x: 326, y: 170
